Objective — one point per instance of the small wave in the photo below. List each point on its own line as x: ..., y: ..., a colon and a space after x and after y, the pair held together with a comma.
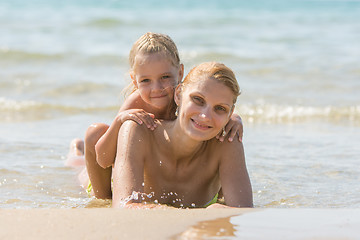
x: 194, y: 57
x: 12, y: 110
x: 18, y: 111
x: 289, y: 113
x: 105, y: 23
x: 7, y: 55
x: 106, y: 59
x: 5, y: 171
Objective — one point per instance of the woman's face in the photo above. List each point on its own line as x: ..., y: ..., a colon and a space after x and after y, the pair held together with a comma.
x: 205, y: 108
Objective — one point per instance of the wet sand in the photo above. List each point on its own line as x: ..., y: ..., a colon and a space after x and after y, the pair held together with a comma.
x: 103, y: 223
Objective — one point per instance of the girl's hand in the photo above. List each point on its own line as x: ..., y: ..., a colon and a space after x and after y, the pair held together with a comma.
x: 139, y: 116
x: 233, y: 128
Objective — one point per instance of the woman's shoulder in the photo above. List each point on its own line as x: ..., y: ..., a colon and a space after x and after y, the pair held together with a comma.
x: 133, y: 130
x: 225, y: 148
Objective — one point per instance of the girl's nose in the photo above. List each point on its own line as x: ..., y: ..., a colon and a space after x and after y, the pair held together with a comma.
x: 158, y: 85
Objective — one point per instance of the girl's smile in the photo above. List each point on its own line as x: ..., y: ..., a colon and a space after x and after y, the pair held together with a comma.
x: 155, y: 77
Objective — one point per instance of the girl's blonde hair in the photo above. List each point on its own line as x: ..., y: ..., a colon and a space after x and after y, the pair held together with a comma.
x: 150, y: 43
x: 155, y: 43
x: 216, y: 71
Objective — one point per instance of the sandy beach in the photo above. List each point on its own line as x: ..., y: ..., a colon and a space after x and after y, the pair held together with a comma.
x: 103, y: 223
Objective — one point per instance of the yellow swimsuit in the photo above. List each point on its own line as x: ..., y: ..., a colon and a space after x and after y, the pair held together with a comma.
x: 214, y: 200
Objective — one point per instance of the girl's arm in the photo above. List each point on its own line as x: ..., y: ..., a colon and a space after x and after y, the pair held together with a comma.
x: 235, y: 181
x: 105, y: 148
x: 234, y: 128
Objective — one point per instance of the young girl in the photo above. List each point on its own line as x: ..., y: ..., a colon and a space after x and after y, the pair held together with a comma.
x: 155, y: 70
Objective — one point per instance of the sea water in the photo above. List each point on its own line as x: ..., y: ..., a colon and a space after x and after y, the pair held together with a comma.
x: 63, y: 65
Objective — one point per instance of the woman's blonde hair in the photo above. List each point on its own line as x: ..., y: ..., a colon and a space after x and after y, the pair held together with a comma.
x: 150, y: 43
x: 216, y: 71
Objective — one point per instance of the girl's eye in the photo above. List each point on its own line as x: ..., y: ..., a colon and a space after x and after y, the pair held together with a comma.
x: 198, y: 100
x: 145, y: 80
x: 165, y: 77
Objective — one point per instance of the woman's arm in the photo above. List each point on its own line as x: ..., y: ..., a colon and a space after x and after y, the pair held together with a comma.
x: 105, y: 148
x: 235, y: 181
x: 128, y: 172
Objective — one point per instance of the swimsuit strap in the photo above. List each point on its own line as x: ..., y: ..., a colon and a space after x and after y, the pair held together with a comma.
x: 212, y: 201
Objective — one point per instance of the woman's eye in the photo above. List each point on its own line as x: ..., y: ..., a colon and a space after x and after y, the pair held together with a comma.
x: 220, y: 109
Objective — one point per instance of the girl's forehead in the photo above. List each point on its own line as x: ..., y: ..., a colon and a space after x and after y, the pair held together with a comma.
x: 148, y: 58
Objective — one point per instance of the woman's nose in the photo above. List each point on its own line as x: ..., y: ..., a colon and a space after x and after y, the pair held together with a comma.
x: 205, y: 114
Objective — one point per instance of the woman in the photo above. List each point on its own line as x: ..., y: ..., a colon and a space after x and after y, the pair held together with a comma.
x: 180, y: 163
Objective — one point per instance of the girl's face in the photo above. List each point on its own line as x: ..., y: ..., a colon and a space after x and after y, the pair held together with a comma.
x: 205, y: 108
x: 156, y: 78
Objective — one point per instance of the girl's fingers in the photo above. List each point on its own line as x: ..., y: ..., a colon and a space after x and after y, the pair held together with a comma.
x: 232, y: 134
x: 218, y: 135
x: 240, y: 136
x: 228, y: 129
x: 135, y: 118
x: 148, y: 120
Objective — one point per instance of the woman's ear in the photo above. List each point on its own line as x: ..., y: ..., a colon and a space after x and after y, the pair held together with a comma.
x: 177, y: 94
x: 231, y: 112
x: 181, y: 72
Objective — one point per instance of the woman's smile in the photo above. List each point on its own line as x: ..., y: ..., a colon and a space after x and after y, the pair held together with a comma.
x: 199, y: 125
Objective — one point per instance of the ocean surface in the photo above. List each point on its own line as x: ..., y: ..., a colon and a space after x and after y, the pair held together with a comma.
x: 63, y: 65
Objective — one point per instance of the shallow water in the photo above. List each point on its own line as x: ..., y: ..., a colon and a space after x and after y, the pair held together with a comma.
x: 279, y: 224
x: 63, y: 66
